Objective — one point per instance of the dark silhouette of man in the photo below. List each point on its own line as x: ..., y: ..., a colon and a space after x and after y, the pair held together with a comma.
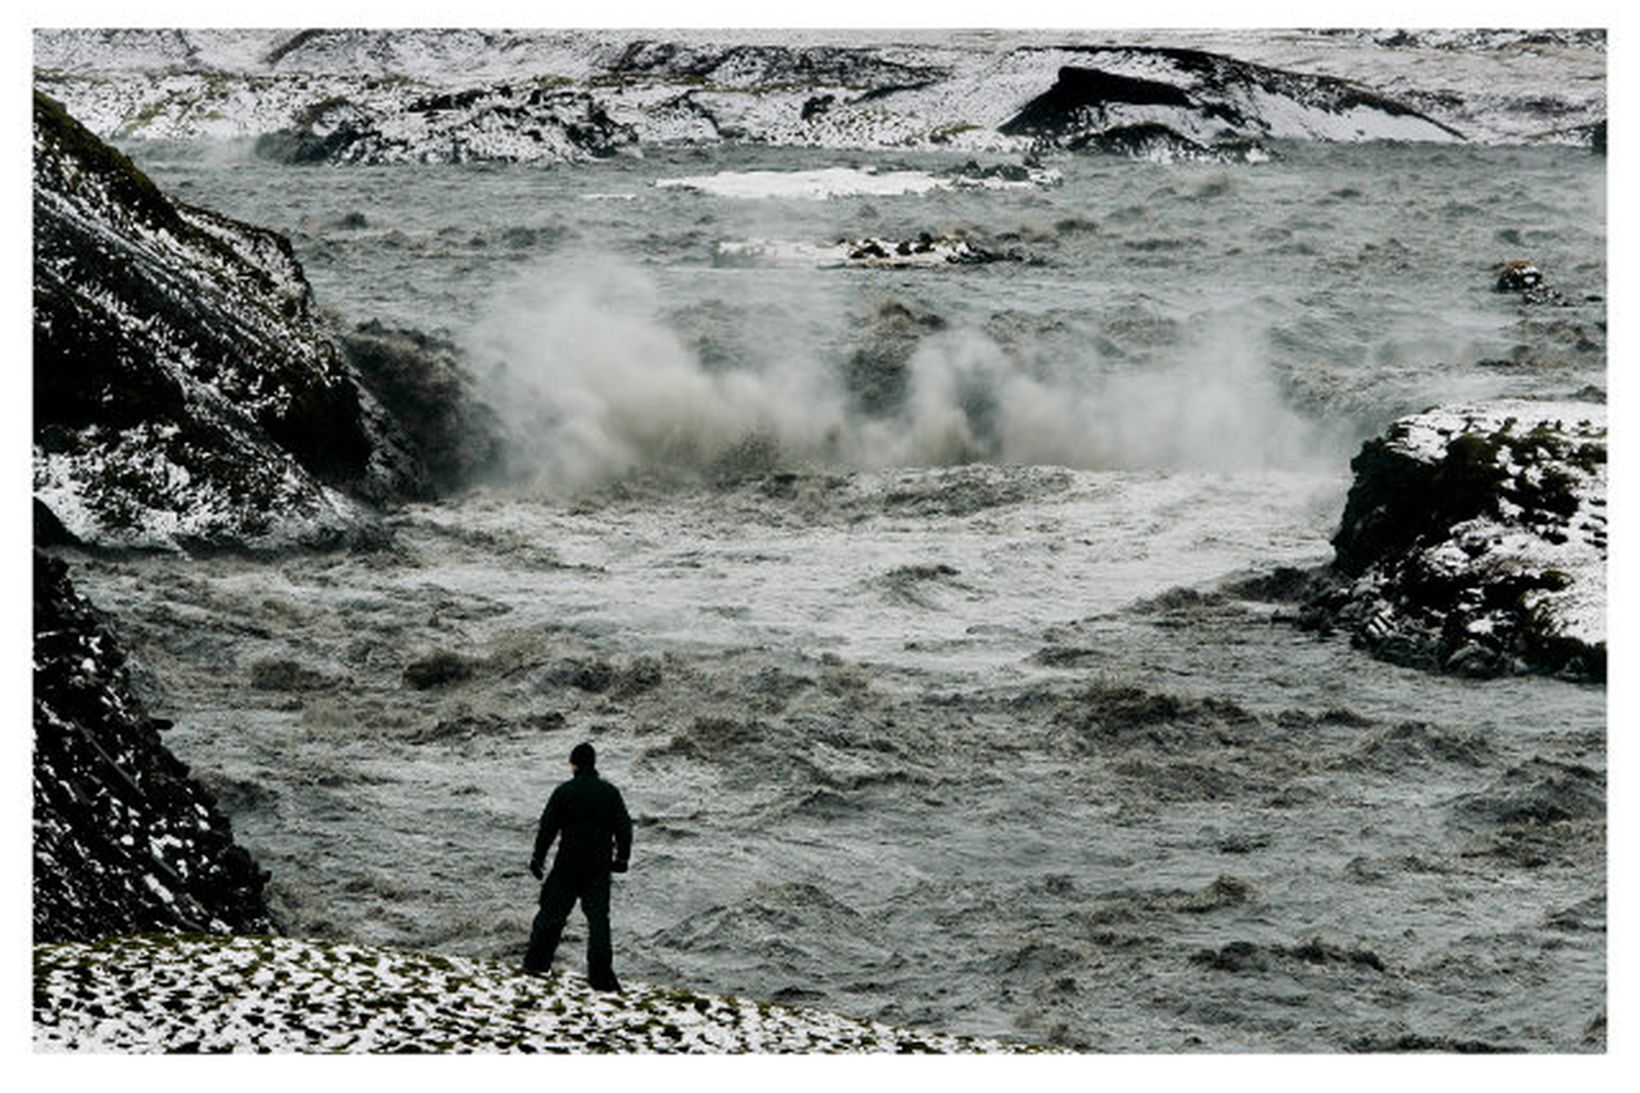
x: 588, y: 818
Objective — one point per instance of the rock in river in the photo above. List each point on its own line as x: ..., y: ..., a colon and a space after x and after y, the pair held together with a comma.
x: 1474, y: 541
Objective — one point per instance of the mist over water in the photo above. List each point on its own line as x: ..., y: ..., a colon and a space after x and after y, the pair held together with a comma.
x: 593, y: 384
x: 952, y: 721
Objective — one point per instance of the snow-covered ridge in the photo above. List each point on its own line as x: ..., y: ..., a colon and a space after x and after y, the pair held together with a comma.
x: 262, y: 994
x: 185, y: 391
x: 823, y: 89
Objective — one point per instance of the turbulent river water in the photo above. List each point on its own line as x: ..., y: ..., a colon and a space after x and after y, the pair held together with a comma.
x: 938, y: 713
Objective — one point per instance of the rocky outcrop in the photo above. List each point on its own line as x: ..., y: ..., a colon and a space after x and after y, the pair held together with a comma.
x: 1474, y: 542
x: 925, y: 250
x: 1193, y: 104
x: 124, y: 840
x: 752, y: 66
x: 521, y: 123
x: 1521, y: 277
x: 184, y: 393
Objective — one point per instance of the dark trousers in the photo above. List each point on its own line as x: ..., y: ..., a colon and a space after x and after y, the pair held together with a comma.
x: 558, y: 895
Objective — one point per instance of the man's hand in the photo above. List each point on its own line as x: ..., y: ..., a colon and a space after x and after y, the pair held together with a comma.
x: 535, y: 870
x: 617, y: 867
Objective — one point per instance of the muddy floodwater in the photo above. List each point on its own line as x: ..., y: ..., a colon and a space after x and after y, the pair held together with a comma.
x: 952, y: 717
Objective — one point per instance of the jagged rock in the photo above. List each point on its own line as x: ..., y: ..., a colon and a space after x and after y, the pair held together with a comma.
x: 1474, y: 541
x: 1142, y: 99
x: 124, y: 840
x: 184, y: 394
x: 1522, y: 277
x: 925, y: 249
x: 1159, y: 144
x: 753, y: 66
x: 512, y: 122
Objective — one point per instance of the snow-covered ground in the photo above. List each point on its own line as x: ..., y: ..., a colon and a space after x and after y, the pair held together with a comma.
x: 261, y: 994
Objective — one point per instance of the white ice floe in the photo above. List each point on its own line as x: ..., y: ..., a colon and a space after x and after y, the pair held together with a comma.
x: 816, y: 185
x: 828, y: 182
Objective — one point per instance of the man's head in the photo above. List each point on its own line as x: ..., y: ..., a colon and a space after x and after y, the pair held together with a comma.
x: 582, y: 757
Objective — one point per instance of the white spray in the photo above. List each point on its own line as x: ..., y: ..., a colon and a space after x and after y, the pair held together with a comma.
x: 593, y: 385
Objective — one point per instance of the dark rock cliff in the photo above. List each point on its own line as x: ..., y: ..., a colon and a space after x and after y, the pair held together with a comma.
x: 124, y: 841
x: 184, y: 393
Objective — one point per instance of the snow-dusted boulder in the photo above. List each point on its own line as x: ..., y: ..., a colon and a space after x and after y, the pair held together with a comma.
x: 124, y: 841
x: 1474, y: 541
x: 926, y: 250
x: 184, y: 393
x: 1521, y: 277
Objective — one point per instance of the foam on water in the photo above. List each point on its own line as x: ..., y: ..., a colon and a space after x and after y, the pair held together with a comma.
x: 930, y: 706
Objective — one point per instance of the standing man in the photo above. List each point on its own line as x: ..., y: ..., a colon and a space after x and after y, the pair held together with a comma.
x: 588, y: 818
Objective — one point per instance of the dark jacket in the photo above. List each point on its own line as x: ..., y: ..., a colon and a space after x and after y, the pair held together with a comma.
x: 588, y: 818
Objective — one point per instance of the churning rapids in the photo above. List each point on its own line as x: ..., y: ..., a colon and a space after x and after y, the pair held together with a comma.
x: 945, y: 716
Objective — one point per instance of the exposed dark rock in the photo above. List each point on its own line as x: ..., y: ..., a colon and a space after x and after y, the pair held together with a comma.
x: 1474, y: 542
x: 763, y: 66
x: 817, y: 105
x: 48, y: 530
x: 125, y: 841
x: 1085, y: 89
x: 183, y: 392
x: 1013, y: 174
x: 1522, y: 277
x: 1158, y: 142
x: 925, y: 249
x: 1153, y: 101
x: 509, y: 122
